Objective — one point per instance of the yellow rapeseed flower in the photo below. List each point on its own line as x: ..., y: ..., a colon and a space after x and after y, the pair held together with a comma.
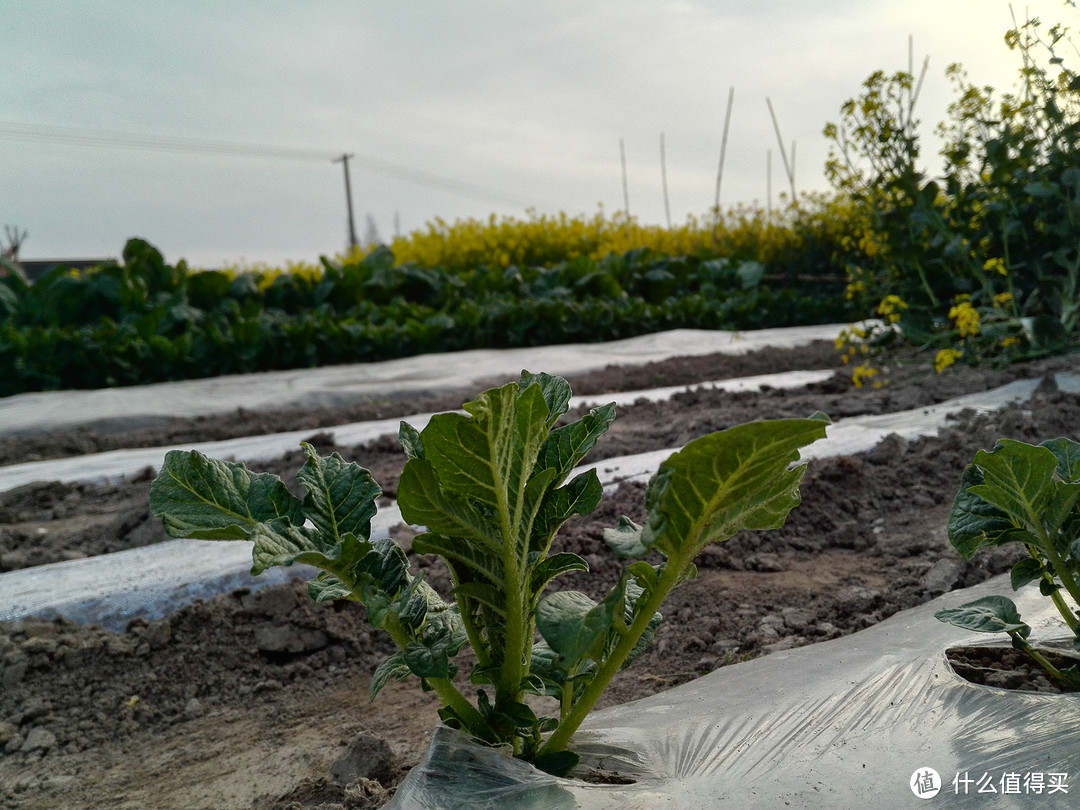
x: 945, y: 358
x: 853, y: 288
x: 890, y: 307
x: 862, y: 373
x: 995, y: 266
x: 966, y: 319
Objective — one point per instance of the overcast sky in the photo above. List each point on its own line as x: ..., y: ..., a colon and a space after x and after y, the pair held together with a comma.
x: 451, y: 109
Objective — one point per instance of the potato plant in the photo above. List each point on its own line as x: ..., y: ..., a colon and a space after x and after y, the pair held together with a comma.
x: 1026, y: 494
x: 491, y: 487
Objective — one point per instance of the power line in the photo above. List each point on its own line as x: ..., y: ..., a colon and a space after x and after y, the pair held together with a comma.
x: 70, y: 136
x: 157, y: 143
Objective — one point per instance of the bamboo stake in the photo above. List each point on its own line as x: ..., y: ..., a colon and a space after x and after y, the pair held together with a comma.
x: 783, y: 151
x: 663, y: 180
x: 793, y: 166
x: 723, y: 149
x: 768, y: 182
x: 625, y: 188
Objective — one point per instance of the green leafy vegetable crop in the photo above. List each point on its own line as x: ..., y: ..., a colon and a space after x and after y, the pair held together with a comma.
x: 1021, y: 493
x: 490, y: 489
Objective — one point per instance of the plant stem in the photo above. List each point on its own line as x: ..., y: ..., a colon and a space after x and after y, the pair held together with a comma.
x: 508, y: 688
x: 1067, y: 581
x: 448, y: 694
x: 568, y: 724
x: 1055, y: 673
x: 1062, y: 608
x: 476, y: 640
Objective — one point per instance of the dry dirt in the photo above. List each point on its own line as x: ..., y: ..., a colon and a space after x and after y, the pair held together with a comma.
x: 247, y: 701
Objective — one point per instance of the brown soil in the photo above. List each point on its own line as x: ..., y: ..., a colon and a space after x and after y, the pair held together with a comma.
x: 247, y: 700
x: 1007, y: 668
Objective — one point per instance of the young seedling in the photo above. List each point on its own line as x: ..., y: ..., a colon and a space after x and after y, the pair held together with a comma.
x: 490, y: 489
x: 1027, y: 494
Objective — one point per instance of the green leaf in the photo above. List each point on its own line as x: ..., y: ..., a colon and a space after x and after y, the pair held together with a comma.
x: 974, y: 523
x: 429, y: 656
x: 472, y: 480
x: 578, y: 497
x: 327, y: 588
x: 1047, y: 588
x: 1060, y: 509
x: 547, y: 671
x: 393, y: 667
x: 1067, y: 453
x: 382, y: 579
x: 550, y: 567
x: 1071, y: 677
x: 278, y: 542
x: 566, y: 446
x: 210, y: 499
x: 415, y: 610
x: 625, y: 539
x: 1027, y: 570
x: 409, y: 438
x: 424, y: 503
x: 648, y: 576
x: 991, y: 614
x: 574, y: 625
x: 489, y: 454
x: 723, y: 482
x: 633, y: 605
x: 750, y: 274
x: 555, y: 390
x: 1017, y: 479
x: 484, y: 593
x: 480, y: 560
x: 557, y: 763
x: 515, y: 715
x: 426, y: 661
x: 341, y: 495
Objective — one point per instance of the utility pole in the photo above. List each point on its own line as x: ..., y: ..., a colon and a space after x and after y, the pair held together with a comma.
x: 344, y: 160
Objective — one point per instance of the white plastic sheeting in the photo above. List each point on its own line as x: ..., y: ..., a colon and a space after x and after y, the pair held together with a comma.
x: 115, y: 464
x: 847, y: 723
x: 340, y: 385
x: 858, y: 434
x: 149, y: 582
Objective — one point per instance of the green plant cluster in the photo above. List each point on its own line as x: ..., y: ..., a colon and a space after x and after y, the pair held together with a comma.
x: 1029, y: 495
x: 491, y: 487
x: 143, y: 320
x: 981, y: 262
x: 798, y: 239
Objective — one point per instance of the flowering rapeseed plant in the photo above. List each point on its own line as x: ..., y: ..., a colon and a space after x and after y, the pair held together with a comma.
x: 965, y: 318
x: 985, y: 256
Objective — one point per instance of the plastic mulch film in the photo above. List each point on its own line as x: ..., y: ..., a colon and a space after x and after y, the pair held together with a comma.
x: 335, y: 386
x: 151, y: 581
x: 875, y: 719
